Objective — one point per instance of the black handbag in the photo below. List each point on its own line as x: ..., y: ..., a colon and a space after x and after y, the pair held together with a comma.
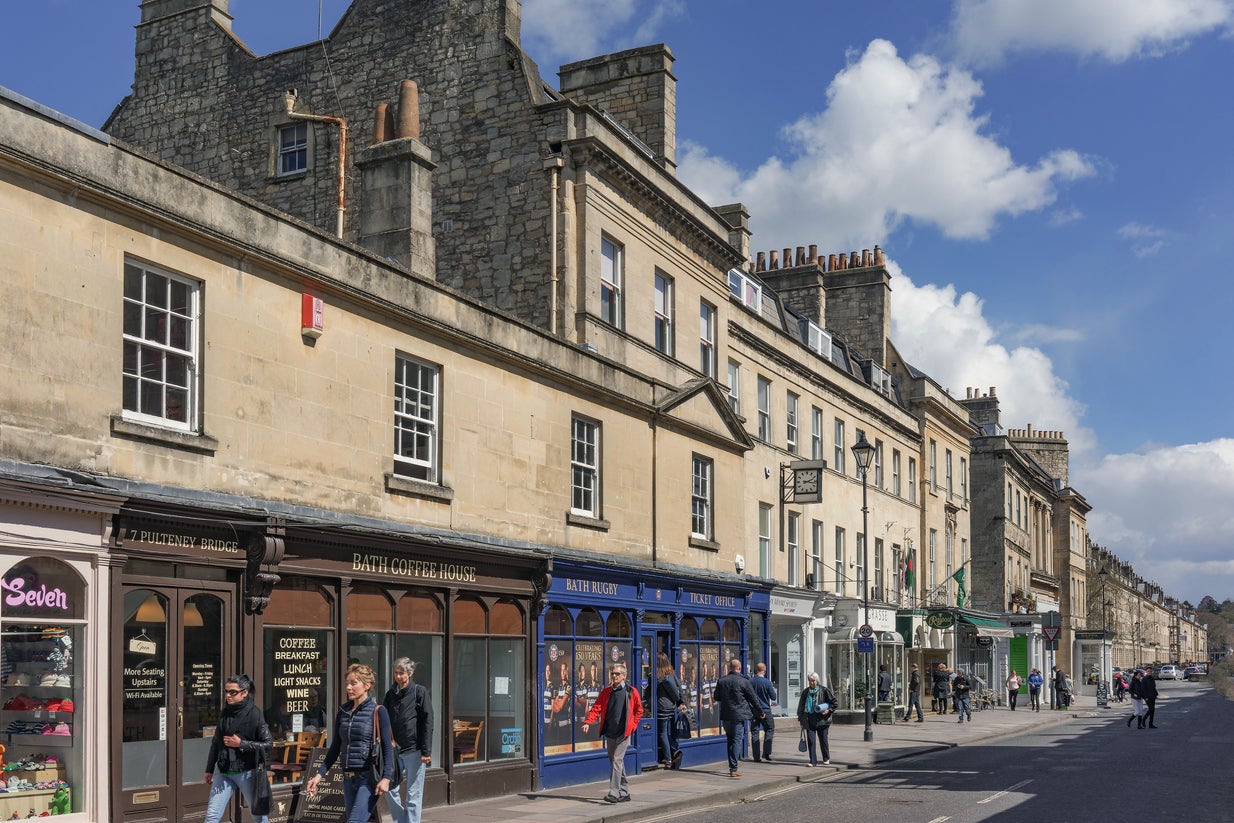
x: 377, y: 762
x: 681, y: 725
x: 801, y: 744
x: 262, y: 793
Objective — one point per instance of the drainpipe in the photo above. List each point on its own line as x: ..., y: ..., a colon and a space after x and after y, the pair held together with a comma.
x: 554, y: 165
x: 289, y: 98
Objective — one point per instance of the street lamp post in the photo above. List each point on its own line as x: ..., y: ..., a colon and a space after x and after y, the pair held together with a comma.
x: 863, y: 453
x: 1102, y: 575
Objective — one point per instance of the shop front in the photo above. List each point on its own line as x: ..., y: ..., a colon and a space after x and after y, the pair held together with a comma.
x: 52, y: 570
x: 981, y: 642
x: 599, y: 615
x: 850, y: 672
x: 293, y: 606
x: 798, y: 623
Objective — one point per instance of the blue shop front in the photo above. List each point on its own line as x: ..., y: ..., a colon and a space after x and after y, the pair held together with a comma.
x: 597, y: 616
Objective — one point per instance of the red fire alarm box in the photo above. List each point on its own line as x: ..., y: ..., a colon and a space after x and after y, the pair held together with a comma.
x: 312, y: 316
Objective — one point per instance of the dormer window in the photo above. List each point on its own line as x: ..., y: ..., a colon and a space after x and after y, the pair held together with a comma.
x: 746, y: 289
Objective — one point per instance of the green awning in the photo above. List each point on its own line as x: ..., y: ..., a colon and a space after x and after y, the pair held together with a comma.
x: 986, y: 627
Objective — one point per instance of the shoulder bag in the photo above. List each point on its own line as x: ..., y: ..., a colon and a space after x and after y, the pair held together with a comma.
x: 377, y: 764
x: 681, y: 725
x: 261, y: 786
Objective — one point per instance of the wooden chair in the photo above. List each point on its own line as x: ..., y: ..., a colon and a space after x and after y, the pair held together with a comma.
x: 467, y: 740
x: 295, y: 756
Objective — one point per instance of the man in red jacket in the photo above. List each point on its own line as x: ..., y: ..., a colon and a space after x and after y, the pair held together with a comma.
x: 618, y: 710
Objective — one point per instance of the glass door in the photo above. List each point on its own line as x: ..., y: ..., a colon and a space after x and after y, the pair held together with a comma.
x: 176, y: 647
x: 651, y: 644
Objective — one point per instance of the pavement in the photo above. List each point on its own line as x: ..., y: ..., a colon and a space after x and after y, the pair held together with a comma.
x: 658, y: 792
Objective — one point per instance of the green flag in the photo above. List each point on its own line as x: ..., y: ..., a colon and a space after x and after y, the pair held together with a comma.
x: 961, y: 591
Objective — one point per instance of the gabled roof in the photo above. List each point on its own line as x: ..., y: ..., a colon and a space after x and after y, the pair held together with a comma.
x: 699, y: 406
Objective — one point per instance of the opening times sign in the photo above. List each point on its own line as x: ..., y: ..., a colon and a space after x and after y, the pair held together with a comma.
x: 298, y: 670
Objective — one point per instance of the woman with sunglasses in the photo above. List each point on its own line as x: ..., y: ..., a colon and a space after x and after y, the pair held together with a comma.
x: 240, y: 740
x: 352, y: 745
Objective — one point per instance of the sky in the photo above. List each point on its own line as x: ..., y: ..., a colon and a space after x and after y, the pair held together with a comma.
x: 1052, y: 182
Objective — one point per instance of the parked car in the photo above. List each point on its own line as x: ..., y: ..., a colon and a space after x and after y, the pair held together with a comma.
x: 1193, y: 673
x: 1169, y: 672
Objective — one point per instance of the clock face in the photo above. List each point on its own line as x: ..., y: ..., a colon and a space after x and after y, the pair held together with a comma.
x: 806, y: 481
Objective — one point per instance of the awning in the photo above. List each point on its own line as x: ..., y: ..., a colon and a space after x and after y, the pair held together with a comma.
x: 986, y: 627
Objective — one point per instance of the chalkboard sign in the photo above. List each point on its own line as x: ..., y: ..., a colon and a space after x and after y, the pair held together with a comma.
x: 1103, y: 695
x: 327, y: 805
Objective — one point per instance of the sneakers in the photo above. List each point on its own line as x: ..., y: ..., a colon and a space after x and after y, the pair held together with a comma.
x: 734, y: 773
x: 48, y: 679
x: 677, y: 759
x: 826, y: 762
x: 809, y: 765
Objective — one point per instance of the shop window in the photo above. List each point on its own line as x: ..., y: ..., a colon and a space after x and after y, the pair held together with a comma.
x: 730, y: 632
x: 419, y: 613
x: 299, y: 670
x: 506, y: 618
x: 618, y: 625
x: 42, y: 645
x: 711, y: 630
x: 589, y: 623
x: 489, y: 721
x: 557, y: 622
x: 369, y: 609
x: 689, y: 629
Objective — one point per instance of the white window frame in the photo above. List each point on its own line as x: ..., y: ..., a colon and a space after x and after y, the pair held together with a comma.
x: 933, y: 455
x: 878, y: 464
x: 161, y: 380
x: 880, y: 587
x: 734, y: 386
x: 947, y: 469
x: 701, y: 497
x: 793, y: 540
x: 841, y: 574
x: 417, y: 415
x: 895, y: 472
x: 912, y: 480
x: 764, y: 539
x: 859, y: 558
x: 791, y: 402
x: 664, y: 314
x: 585, y: 466
x: 963, y: 480
x: 747, y: 290
x: 816, y: 433
x: 816, y: 552
x: 612, y: 277
x: 818, y: 340
x: 840, y: 447
x: 292, y: 154
x: 707, y: 339
x: 764, y: 409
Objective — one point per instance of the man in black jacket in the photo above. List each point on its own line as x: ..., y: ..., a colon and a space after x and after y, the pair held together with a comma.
x: 1148, y: 688
x: 411, y: 719
x: 738, y: 703
x: 914, y: 696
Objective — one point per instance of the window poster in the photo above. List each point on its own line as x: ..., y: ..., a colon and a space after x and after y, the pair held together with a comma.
x: 298, y: 680
x: 687, y: 673
x: 558, y: 692
x: 589, y: 680
x: 709, y: 674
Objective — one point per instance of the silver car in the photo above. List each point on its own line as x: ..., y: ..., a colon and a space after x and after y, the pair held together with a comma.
x: 1169, y: 672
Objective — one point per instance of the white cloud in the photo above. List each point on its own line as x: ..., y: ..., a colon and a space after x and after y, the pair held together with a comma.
x: 1061, y: 217
x: 946, y: 335
x: 1145, y: 240
x: 1115, y: 30
x: 1030, y: 333
x: 899, y: 140
x: 556, y: 32
x: 1170, y: 512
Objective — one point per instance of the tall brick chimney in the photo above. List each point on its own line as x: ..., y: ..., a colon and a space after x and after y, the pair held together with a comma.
x: 637, y: 88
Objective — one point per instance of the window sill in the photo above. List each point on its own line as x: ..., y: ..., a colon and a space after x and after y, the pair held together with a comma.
x: 575, y: 519
x: 418, y: 488
x: 703, y: 543
x: 289, y: 177
x: 189, y: 441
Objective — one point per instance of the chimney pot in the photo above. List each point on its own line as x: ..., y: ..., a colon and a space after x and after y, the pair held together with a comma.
x: 761, y: 265
x: 992, y: 393
x: 774, y: 262
x: 801, y: 255
x: 832, y: 265
x: 380, y: 135
x: 879, y: 258
x: 866, y: 259
x: 813, y: 252
x: 409, y: 110
x: 853, y: 260
x: 788, y: 258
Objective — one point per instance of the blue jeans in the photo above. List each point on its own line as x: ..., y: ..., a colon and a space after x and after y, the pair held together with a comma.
x: 405, y: 801
x: 221, y: 789
x: 668, y: 741
x: 735, y: 731
x: 963, y: 708
x: 358, y: 797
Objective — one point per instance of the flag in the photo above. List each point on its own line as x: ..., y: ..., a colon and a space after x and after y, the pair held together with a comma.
x: 910, y: 573
x: 961, y: 591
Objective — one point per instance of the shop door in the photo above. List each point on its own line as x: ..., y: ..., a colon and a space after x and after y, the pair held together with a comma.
x: 651, y: 643
x: 176, y: 647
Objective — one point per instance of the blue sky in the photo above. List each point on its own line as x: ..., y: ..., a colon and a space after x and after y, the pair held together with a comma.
x: 1052, y: 180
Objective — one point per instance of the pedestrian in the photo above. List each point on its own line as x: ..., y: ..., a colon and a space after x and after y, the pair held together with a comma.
x: 738, y: 703
x: 914, y: 695
x: 1120, y: 687
x: 1059, y: 681
x: 411, y: 719
x: 815, y: 708
x: 618, y: 710
x: 962, y: 691
x: 765, y: 691
x: 951, y: 683
x: 942, y: 687
x: 1149, y: 689
x: 884, y: 683
x: 241, y: 739
x: 351, y: 743
x: 1068, y: 684
x: 1136, y: 690
x: 669, y: 699
x: 1013, y: 689
x: 1034, y: 689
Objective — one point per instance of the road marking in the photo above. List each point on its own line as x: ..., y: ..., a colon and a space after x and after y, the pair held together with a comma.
x: 997, y: 795
x: 939, y: 819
